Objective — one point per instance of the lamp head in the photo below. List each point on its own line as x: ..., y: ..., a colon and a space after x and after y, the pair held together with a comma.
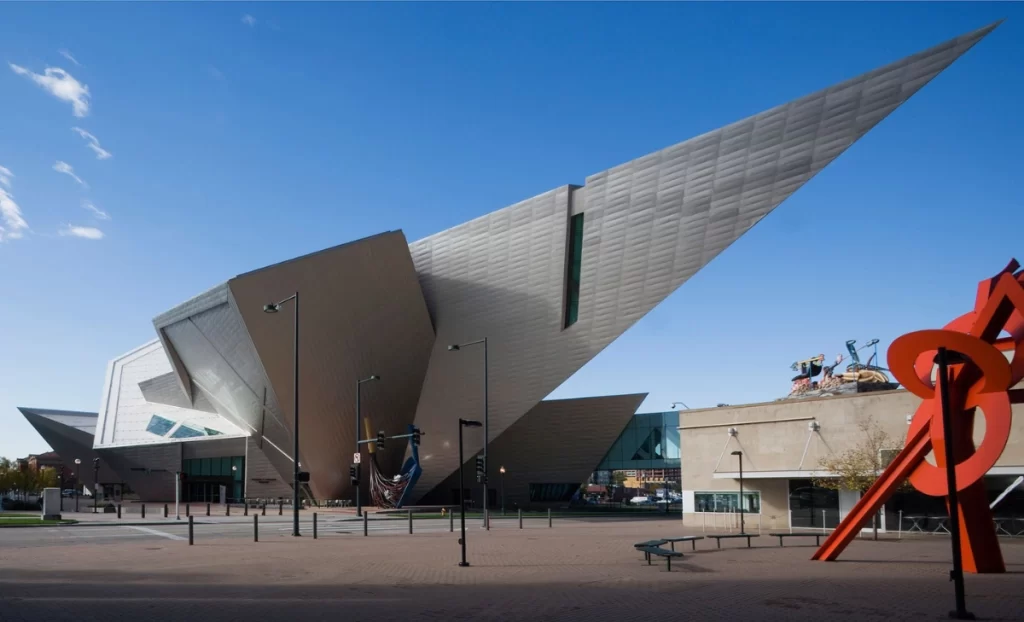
x: 737, y: 453
x: 470, y: 423
x: 453, y: 348
x: 374, y: 377
x: 78, y: 461
x: 501, y: 470
x: 271, y: 308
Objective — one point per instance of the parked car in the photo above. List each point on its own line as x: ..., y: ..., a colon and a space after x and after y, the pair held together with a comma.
x: 68, y: 492
x: 641, y: 500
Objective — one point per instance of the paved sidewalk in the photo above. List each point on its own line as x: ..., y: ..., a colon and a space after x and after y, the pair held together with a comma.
x: 576, y: 571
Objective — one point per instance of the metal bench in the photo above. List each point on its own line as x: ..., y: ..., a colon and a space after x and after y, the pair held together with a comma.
x: 640, y: 546
x: 660, y: 552
x: 748, y: 536
x: 817, y: 536
x: 691, y: 539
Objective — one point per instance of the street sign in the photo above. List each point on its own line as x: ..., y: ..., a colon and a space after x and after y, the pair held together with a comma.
x: 356, y: 458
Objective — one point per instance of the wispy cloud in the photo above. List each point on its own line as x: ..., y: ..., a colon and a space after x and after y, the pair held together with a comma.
x: 61, y: 85
x: 94, y: 143
x: 88, y: 233
x: 249, y: 20
x: 12, y: 224
x: 71, y: 58
x: 97, y: 212
x: 67, y: 169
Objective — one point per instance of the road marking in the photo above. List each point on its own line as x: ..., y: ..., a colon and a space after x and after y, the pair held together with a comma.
x: 154, y: 532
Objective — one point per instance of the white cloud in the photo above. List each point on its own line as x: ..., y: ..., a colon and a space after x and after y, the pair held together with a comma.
x: 94, y: 143
x: 89, y: 233
x: 12, y: 225
x: 61, y: 85
x: 97, y: 212
x: 249, y: 20
x: 67, y: 169
x: 6, y: 176
x: 68, y: 56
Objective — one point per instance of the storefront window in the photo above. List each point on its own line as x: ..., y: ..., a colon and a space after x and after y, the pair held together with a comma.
x: 727, y: 502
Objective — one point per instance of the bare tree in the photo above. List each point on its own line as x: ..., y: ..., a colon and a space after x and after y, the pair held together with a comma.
x: 858, y: 467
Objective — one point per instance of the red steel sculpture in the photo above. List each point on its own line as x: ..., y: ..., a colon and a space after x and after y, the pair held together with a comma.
x: 981, y: 380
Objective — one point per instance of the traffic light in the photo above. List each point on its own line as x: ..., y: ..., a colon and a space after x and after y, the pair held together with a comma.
x: 304, y: 476
x: 380, y: 439
x: 96, y: 463
x: 353, y: 475
x: 182, y: 475
x: 481, y: 476
x: 416, y: 433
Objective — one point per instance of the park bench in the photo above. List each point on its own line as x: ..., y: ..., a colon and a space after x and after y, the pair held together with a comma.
x: 691, y: 539
x: 748, y: 536
x: 640, y: 546
x: 817, y: 536
x: 660, y: 552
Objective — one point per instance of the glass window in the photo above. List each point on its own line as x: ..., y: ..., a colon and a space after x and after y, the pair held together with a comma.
x: 204, y: 466
x: 727, y: 501
x: 575, y: 258
x: 553, y: 492
x: 810, y: 506
x: 159, y: 425
x: 185, y: 431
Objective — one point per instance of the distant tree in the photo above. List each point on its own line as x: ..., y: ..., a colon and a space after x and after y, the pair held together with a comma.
x: 858, y: 467
x: 46, y: 477
x: 618, y: 478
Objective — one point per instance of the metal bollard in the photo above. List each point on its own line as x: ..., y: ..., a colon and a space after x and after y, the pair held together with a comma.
x: 366, y: 523
x: 520, y: 518
x: 190, y: 531
x: 165, y: 510
x: 188, y: 510
x: 487, y: 519
x: 451, y: 521
x: 280, y: 508
x: 207, y: 509
x: 119, y: 510
x: 410, y: 521
x: 314, y: 525
x: 549, y: 518
x: 255, y: 528
x: 143, y: 510
x: 227, y: 510
x: 264, y: 509
x: 246, y: 511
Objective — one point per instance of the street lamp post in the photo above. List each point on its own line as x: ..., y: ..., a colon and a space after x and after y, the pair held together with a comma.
x: 502, y: 471
x: 487, y: 436
x: 674, y: 404
x: 463, y: 423
x: 95, y: 483
x: 739, y: 454
x: 62, y: 488
x: 274, y: 308
x: 359, y: 423
x: 78, y: 470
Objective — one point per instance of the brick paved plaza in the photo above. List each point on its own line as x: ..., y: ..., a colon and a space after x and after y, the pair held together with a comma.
x: 575, y: 571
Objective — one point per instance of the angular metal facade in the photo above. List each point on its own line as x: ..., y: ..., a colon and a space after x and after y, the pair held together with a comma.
x: 382, y: 306
x: 70, y: 434
x: 555, y: 442
x: 649, y: 225
x: 361, y: 313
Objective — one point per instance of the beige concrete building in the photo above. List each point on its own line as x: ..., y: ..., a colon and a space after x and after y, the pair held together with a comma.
x: 783, y: 444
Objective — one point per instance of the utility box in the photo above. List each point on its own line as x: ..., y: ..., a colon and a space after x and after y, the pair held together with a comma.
x: 51, y: 504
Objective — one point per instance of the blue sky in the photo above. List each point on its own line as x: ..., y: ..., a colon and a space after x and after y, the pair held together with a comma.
x: 239, y: 141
